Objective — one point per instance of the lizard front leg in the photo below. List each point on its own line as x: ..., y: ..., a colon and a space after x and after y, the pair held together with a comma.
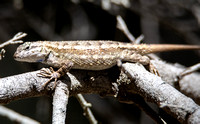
x: 50, y: 73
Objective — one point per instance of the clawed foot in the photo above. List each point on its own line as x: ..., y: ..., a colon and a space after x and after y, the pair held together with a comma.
x: 49, y: 73
x: 153, y: 69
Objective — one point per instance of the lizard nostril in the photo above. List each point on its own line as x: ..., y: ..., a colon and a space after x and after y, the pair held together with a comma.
x: 15, y: 56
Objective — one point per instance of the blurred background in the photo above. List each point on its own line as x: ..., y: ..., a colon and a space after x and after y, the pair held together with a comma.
x: 160, y: 21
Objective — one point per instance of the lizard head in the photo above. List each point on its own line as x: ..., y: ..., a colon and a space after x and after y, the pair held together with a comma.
x: 31, y: 52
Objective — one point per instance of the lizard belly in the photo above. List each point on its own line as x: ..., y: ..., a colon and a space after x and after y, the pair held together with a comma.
x: 94, y: 64
x: 92, y: 67
x: 88, y: 63
x: 92, y: 61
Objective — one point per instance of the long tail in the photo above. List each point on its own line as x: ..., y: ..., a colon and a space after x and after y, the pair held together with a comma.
x: 154, y: 48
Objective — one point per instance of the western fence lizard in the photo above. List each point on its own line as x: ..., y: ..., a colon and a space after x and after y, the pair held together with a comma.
x: 90, y: 55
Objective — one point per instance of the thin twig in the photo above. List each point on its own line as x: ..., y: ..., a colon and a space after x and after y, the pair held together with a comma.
x: 139, y: 39
x: 121, y: 25
x: 2, y: 53
x: 16, y: 117
x: 14, y: 40
x: 190, y: 70
x: 86, y: 107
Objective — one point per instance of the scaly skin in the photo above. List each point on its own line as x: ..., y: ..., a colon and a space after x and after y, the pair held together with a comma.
x: 90, y: 55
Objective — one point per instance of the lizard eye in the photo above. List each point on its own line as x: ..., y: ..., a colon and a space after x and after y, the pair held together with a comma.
x: 27, y: 47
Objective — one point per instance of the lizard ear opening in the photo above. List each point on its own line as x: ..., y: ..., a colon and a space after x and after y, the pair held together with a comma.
x: 46, y: 57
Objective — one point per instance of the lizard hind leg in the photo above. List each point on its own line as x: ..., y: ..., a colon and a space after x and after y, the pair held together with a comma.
x: 142, y: 59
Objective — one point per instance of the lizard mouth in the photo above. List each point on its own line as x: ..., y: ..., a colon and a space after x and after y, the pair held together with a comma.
x: 17, y: 57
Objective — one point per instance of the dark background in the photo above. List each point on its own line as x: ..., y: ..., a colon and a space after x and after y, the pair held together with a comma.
x: 161, y: 21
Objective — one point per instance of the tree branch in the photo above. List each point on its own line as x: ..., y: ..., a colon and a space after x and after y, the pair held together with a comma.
x: 149, y: 86
x: 189, y: 84
x: 155, y: 90
x: 60, y: 100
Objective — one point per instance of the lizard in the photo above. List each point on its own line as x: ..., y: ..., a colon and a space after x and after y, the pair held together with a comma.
x: 89, y: 55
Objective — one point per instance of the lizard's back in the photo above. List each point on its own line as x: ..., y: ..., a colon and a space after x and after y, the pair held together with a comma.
x: 90, y: 55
